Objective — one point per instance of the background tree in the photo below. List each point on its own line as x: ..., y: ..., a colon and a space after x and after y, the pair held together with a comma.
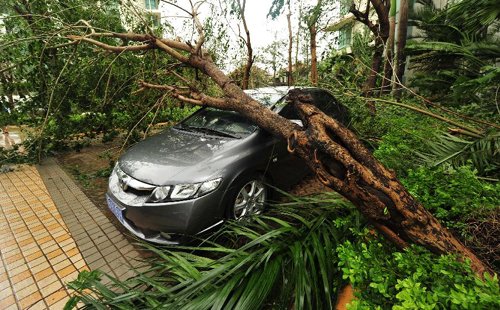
x: 380, y: 29
x: 400, y: 63
x: 276, y: 9
x: 258, y: 76
x: 389, y: 50
x: 311, y: 19
x: 273, y: 58
x: 240, y: 5
x: 289, y: 77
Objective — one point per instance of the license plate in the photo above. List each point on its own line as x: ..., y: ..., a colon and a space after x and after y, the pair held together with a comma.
x: 115, y: 209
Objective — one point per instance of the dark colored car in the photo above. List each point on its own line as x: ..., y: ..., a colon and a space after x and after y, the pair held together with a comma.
x: 212, y: 166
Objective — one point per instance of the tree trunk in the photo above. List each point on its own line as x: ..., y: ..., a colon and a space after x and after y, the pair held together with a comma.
x: 333, y: 152
x: 342, y: 163
x: 389, y: 51
x: 290, y: 46
x: 380, y: 31
x: 297, y: 39
x: 400, y: 53
x: 371, y: 81
x: 248, y: 43
x: 314, y: 60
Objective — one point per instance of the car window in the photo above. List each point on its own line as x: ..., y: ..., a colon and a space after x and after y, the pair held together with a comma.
x: 329, y: 105
x: 228, y: 122
x: 288, y: 111
x: 323, y: 100
x: 268, y: 99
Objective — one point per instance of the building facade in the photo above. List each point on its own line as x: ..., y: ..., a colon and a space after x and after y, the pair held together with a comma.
x: 346, y: 26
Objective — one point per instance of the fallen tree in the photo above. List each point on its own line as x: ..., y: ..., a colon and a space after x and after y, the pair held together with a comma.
x: 332, y: 151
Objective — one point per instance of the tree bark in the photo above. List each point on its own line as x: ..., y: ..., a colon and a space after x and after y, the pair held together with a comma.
x: 290, y: 46
x: 400, y: 53
x: 314, y: 59
x: 371, y: 81
x: 333, y: 152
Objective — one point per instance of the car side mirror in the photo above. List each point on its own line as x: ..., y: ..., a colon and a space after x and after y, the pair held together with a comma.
x: 297, y: 121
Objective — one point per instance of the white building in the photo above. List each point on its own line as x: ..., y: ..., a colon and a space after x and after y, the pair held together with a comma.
x: 133, y: 11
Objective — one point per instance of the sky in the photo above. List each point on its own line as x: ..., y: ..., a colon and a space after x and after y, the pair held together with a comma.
x: 263, y: 30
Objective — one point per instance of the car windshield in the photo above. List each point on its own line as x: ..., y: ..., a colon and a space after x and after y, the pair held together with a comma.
x: 267, y: 98
x: 228, y: 123
x: 219, y: 122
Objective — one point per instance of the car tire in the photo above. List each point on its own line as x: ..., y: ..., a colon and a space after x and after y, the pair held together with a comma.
x: 248, y: 198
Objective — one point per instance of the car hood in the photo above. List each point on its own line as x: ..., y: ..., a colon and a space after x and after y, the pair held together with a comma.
x: 175, y: 156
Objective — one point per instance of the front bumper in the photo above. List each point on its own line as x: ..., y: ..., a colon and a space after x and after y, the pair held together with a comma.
x: 164, y: 223
x: 167, y: 223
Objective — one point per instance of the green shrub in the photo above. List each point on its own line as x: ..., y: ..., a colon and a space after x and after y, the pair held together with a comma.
x: 413, y: 279
x: 402, y: 135
x: 453, y: 195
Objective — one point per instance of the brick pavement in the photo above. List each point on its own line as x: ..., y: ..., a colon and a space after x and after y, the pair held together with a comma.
x: 49, y: 231
x: 102, y: 245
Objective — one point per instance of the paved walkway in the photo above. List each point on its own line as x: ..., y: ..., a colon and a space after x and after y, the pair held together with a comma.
x: 49, y: 231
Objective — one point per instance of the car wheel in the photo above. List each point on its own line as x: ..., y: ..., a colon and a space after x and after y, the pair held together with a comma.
x: 249, y: 199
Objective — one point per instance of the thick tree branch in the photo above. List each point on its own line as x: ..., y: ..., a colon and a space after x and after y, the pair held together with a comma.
x: 382, y: 11
x: 171, y: 51
x: 189, y: 96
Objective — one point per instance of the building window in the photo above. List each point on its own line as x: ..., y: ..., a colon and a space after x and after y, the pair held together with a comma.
x: 345, y: 34
x: 151, y: 4
x: 155, y: 19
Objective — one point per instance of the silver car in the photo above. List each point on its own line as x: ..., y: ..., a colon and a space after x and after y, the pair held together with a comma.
x: 214, y: 165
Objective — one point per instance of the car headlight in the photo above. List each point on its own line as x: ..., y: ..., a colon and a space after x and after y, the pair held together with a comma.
x: 184, y: 191
x: 208, y: 186
x: 160, y: 193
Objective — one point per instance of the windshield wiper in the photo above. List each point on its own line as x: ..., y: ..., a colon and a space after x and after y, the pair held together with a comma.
x: 209, y: 131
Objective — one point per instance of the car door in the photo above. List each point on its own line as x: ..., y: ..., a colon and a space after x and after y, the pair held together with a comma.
x: 287, y: 169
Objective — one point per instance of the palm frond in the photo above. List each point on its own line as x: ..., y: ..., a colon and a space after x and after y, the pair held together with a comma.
x: 482, y: 153
x: 474, y: 14
x: 445, y: 48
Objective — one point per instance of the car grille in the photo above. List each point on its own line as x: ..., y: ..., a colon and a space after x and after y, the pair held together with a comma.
x: 138, y: 192
x: 128, y: 190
